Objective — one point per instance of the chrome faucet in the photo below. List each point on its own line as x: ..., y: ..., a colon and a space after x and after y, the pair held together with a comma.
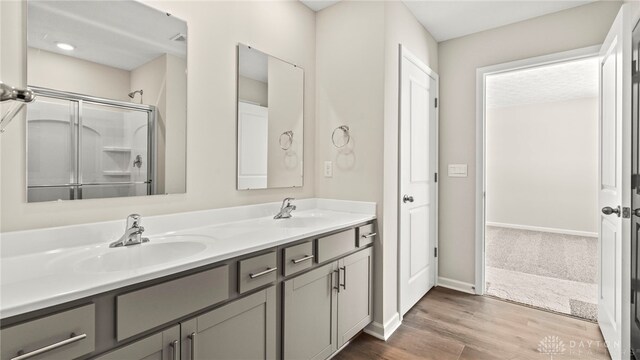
x: 132, y: 233
x: 285, y: 209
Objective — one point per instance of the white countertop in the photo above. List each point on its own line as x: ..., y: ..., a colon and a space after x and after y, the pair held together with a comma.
x: 47, y: 267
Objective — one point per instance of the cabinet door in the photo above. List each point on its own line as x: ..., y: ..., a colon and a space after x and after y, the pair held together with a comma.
x: 354, y: 298
x: 160, y: 346
x: 309, y: 307
x: 244, y: 329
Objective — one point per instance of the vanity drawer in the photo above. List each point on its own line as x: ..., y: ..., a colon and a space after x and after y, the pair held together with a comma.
x: 257, y: 271
x: 335, y: 245
x: 297, y: 258
x: 66, y: 335
x: 365, y: 236
x: 144, y: 309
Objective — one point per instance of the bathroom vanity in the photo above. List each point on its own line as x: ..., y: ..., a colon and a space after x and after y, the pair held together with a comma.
x: 252, y: 288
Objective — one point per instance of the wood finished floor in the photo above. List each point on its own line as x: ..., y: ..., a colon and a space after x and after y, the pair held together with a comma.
x: 447, y: 324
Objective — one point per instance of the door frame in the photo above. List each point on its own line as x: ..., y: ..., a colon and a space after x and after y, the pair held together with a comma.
x: 403, y: 52
x: 481, y: 75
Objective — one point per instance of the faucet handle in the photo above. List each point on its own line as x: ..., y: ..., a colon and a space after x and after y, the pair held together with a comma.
x: 286, y: 202
x: 133, y: 220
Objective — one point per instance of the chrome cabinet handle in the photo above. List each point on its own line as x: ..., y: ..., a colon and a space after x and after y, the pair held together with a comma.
x: 192, y: 338
x: 407, y: 198
x: 369, y: 235
x: 262, y: 273
x: 298, y: 261
x: 608, y: 210
x: 344, y: 276
x: 72, y: 339
x: 174, y: 349
x: 337, y: 272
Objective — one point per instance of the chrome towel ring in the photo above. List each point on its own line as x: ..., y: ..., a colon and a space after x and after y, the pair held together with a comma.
x: 286, y: 145
x: 345, y: 134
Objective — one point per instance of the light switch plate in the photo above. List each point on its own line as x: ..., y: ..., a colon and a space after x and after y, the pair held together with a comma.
x: 328, y: 169
x: 457, y: 170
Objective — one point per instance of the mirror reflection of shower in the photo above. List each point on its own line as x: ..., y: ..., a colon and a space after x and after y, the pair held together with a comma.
x: 133, y: 94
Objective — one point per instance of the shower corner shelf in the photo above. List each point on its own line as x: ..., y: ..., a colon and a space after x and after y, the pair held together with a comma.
x: 116, y: 173
x: 116, y: 149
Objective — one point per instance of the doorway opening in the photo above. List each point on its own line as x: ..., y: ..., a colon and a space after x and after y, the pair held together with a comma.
x: 540, y: 184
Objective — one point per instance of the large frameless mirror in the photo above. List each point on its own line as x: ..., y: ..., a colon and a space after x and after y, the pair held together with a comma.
x: 110, y: 114
x: 270, y: 121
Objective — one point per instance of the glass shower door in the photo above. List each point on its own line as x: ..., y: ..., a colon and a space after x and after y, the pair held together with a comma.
x: 51, y: 153
x: 114, y: 151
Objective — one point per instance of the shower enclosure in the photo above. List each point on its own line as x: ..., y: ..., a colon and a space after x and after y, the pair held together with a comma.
x: 83, y: 147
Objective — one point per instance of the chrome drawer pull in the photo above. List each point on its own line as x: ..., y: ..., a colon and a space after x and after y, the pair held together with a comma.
x: 73, y: 338
x: 174, y: 349
x: 298, y: 261
x: 192, y: 337
x: 262, y: 273
x: 369, y: 235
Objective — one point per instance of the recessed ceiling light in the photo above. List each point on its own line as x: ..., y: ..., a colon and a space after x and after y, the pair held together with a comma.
x: 65, y: 46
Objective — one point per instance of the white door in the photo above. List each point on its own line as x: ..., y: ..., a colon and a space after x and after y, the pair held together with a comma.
x: 418, y: 193
x: 253, y: 130
x: 614, y: 189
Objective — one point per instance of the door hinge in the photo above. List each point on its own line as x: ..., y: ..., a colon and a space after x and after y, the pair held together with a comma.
x: 435, y: 252
x: 435, y: 177
x: 626, y: 213
x: 436, y: 102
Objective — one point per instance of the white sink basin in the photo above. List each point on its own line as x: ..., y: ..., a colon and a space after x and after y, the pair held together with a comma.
x: 157, y: 251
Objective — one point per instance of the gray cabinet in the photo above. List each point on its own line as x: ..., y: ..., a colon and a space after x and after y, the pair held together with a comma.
x: 236, y: 309
x: 244, y: 329
x: 297, y: 258
x: 333, y: 246
x: 309, y: 314
x: 257, y: 271
x: 65, y: 335
x: 355, y: 296
x: 160, y: 346
x: 326, y: 307
x: 144, y: 309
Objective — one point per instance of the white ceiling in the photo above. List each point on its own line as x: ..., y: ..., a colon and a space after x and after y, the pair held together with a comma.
x: 544, y: 84
x: 451, y: 19
x: 121, y: 34
x: 448, y: 19
x: 317, y: 5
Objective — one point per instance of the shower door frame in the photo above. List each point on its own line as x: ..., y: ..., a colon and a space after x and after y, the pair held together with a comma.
x: 76, y: 170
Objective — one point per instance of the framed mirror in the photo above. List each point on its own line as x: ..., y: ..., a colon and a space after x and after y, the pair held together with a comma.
x: 110, y: 114
x: 270, y: 121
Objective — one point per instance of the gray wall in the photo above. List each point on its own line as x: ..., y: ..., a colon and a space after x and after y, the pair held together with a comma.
x: 542, y: 165
x: 357, y: 85
x: 579, y: 27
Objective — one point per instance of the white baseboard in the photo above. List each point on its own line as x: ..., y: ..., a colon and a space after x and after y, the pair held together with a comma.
x: 544, y: 229
x: 457, y: 285
x: 383, y: 332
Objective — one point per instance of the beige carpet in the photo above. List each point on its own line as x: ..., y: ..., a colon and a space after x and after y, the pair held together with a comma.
x: 550, y: 271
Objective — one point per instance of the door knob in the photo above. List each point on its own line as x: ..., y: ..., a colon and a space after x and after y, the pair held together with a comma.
x: 407, y: 198
x: 608, y: 210
x: 636, y: 212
